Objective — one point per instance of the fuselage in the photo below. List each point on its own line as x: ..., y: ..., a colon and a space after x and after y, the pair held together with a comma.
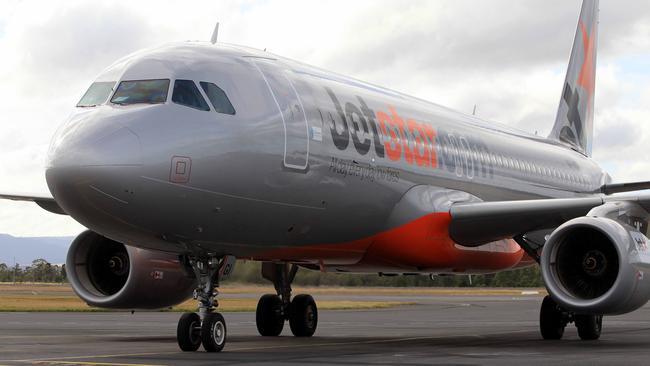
x: 312, y: 167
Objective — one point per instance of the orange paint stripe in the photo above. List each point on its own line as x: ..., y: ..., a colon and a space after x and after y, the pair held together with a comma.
x: 423, y: 244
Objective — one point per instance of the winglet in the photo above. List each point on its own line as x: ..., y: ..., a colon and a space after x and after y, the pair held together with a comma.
x: 575, y: 115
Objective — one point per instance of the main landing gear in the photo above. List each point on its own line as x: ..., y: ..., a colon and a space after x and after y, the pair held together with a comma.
x: 553, y: 319
x: 274, y: 309
x: 207, y: 327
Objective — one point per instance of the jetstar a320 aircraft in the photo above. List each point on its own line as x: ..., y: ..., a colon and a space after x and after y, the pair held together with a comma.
x: 182, y: 158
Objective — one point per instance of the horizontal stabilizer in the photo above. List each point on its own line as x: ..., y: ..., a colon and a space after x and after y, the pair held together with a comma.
x: 624, y: 187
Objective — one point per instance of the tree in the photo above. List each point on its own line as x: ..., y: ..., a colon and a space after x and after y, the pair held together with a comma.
x: 5, y: 273
x: 17, y: 274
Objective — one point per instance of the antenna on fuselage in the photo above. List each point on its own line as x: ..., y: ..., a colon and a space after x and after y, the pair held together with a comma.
x: 215, y: 34
x: 474, y: 111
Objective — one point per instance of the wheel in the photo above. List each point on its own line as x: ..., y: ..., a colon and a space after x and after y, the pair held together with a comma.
x: 213, y: 332
x: 303, y: 316
x: 551, y: 320
x: 188, y: 332
x: 268, y: 317
x: 589, y: 326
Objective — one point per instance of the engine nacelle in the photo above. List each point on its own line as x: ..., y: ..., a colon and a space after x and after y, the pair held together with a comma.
x: 108, y: 274
x: 595, y: 264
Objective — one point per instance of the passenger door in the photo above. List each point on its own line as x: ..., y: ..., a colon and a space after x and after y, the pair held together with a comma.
x: 292, y: 112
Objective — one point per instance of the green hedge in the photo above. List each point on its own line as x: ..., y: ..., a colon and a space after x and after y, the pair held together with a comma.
x: 248, y: 272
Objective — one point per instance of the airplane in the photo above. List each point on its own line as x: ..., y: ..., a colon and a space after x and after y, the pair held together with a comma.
x: 182, y: 158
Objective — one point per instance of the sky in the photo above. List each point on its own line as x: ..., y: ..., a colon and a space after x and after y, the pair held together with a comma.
x: 508, y: 57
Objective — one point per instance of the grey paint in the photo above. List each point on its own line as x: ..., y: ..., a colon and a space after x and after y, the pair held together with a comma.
x: 110, y: 165
x: 476, y: 224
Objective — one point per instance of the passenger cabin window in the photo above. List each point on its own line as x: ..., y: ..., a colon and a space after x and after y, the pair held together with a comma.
x: 97, y: 94
x: 141, y: 92
x: 218, y: 98
x: 186, y: 93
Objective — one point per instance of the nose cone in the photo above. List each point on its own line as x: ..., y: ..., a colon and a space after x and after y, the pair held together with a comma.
x: 93, y: 169
x: 91, y: 139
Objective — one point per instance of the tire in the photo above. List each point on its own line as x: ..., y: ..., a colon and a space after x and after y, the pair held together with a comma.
x: 303, y: 316
x: 188, y: 332
x: 551, y: 320
x: 213, y: 332
x: 589, y: 326
x: 268, y: 316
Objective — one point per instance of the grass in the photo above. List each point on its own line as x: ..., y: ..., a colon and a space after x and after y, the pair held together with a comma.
x: 61, y: 298
x: 69, y: 304
x: 24, y: 297
x: 388, y: 291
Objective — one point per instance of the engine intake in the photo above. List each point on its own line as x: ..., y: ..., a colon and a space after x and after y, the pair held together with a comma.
x: 590, y: 265
x: 587, y: 262
x: 108, y: 274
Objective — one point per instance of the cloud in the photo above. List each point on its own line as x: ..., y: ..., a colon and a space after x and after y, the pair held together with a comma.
x: 506, y: 56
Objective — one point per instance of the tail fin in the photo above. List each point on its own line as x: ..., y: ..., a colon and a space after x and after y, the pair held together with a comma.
x: 575, y: 115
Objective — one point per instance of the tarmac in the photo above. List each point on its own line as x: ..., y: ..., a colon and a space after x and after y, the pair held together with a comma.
x: 448, y: 330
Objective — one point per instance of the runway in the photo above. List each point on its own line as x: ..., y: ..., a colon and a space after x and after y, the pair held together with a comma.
x: 449, y: 330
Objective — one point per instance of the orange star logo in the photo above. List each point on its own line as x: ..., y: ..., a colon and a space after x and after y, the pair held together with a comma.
x: 586, y: 76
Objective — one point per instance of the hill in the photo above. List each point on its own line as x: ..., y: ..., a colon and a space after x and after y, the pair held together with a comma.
x: 26, y: 249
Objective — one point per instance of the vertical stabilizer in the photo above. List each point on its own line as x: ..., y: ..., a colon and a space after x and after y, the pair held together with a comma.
x: 575, y: 115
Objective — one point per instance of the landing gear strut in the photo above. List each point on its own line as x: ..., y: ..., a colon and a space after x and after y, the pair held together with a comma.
x: 553, y: 319
x: 274, y: 309
x: 207, y: 327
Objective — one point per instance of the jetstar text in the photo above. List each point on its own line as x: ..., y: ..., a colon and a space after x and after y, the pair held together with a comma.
x: 398, y: 138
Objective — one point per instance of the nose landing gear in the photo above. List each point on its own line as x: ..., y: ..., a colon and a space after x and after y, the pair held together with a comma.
x: 274, y: 309
x: 207, y: 327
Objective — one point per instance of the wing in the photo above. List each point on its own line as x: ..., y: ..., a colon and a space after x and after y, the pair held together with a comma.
x: 474, y: 224
x: 47, y: 203
x: 477, y: 223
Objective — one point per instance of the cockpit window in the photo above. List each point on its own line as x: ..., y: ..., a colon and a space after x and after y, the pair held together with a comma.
x: 141, y: 91
x: 96, y: 94
x: 186, y: 93
x: 218, y: 98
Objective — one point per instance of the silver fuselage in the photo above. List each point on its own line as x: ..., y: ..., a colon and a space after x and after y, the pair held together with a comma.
x: 310, y: 158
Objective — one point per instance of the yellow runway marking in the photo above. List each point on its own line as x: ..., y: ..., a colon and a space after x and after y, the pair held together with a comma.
x: 62, y: 359
x: 334, y: 343
x: 73, y: 336
x: 55, y: 362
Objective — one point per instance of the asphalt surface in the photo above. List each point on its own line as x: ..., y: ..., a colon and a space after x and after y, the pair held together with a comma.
x: 468, y: 330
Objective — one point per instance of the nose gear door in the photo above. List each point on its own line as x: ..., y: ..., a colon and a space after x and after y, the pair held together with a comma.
x: 292, y: 112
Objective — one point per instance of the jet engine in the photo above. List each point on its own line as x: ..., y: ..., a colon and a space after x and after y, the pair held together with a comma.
x: 597, y: 264
x: 108, y: 274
